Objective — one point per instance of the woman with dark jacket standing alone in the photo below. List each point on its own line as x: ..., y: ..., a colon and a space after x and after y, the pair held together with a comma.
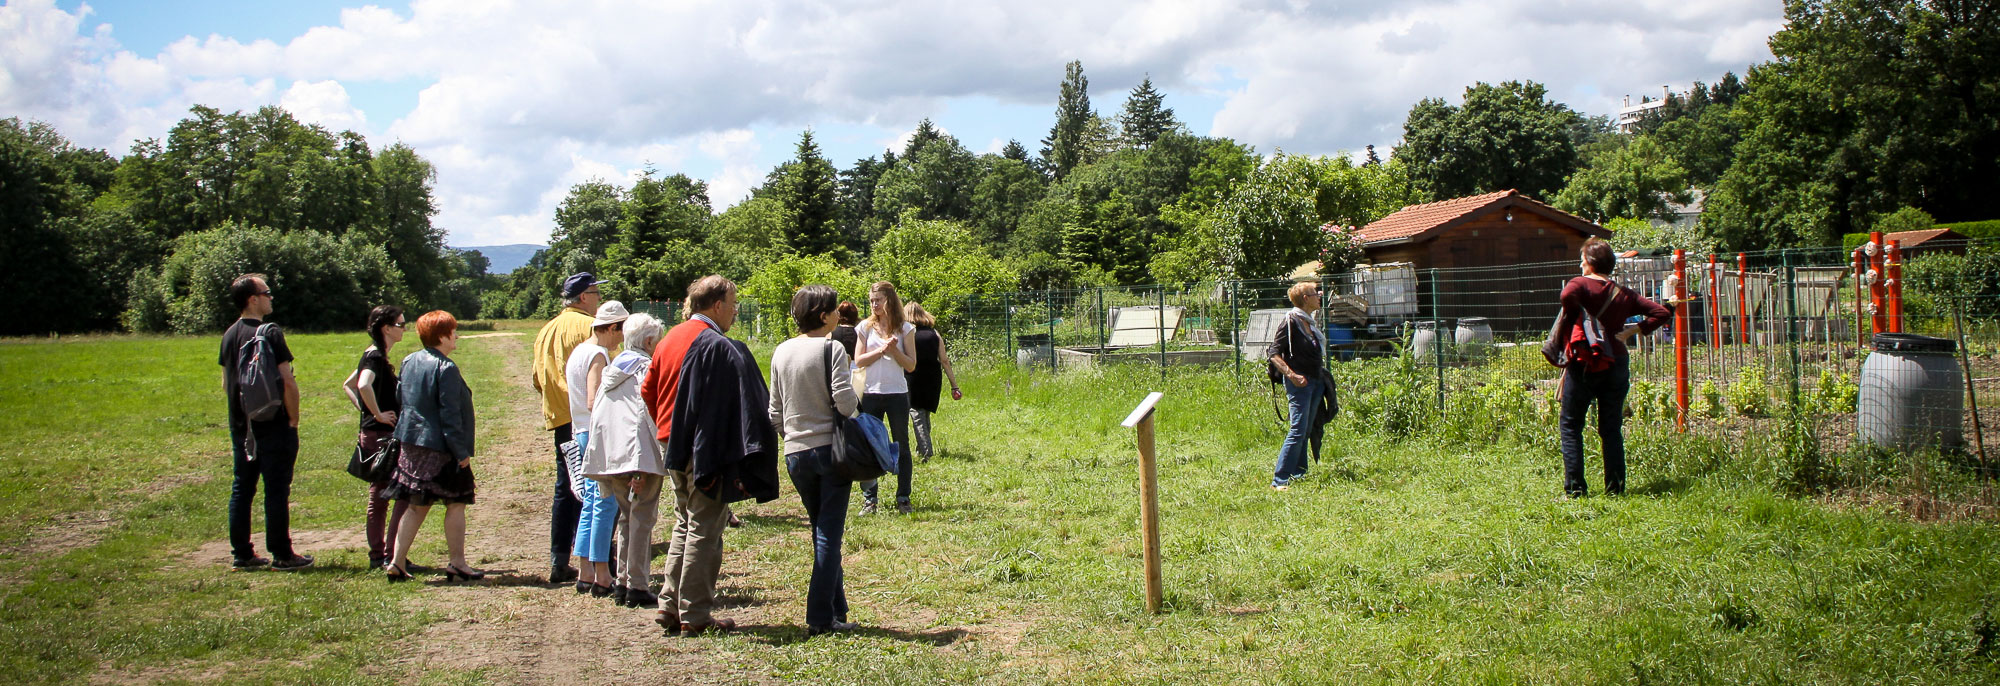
x: 436, y: 432
x: 1296, y: 357
x: 1595, y: 293
x: 372, y: 387
x: 927, y: 380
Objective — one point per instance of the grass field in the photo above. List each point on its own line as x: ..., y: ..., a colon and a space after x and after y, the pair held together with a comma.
x: 1419, y: 559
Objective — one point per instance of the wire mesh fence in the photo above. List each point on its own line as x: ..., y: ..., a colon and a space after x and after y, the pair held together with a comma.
x: 1780, y: 351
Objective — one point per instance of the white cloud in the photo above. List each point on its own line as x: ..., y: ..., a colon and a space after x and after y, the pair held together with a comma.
x: 522, y: 98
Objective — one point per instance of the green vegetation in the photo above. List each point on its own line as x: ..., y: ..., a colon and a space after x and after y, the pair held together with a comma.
x: 1423, y: 548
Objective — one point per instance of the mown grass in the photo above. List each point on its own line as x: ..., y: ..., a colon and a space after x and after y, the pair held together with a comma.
x: 1423, y: 549
x: 133, y: 429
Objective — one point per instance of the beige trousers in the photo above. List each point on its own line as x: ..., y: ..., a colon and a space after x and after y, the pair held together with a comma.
x: 638, y: 496
x: 694, y: 557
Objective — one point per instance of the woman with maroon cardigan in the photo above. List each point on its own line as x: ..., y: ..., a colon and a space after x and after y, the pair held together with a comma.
x: 1594, y: 292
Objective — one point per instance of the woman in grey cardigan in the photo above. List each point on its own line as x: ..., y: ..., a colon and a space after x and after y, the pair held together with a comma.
x: 811, y: 390
x: 436, y: 433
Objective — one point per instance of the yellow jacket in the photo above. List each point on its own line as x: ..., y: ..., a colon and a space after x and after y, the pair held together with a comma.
x: 552, y: 347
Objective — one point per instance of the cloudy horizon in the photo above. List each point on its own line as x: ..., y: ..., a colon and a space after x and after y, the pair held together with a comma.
x: 516, y: 102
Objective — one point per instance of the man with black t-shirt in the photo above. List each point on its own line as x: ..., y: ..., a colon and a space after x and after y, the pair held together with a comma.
x: 272, y: 445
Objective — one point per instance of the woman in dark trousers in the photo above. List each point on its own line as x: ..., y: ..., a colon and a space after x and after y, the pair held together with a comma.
x: 927, y: 381
x: 372, y: 387
x: 888, y: 353
x: 1296, y: 356
x: 1595, y: 294
x: 812, y: 391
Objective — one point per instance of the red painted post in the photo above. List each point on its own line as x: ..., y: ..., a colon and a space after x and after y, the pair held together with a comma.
x: 1876, y: 292
x: 1680, y: 341
x: 1895, y: 286
x: 1743, y: 297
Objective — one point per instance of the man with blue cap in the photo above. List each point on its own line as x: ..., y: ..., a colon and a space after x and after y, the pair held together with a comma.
x: 553, y: 344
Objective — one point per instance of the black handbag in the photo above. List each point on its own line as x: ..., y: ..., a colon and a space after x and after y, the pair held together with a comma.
x: 853, y: 457
x: 378, y: 466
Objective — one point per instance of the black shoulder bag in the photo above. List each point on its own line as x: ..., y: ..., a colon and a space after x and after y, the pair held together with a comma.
x: 853, y: 457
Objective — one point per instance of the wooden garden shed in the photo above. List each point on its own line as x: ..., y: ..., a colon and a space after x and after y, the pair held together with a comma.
x: 1510, y: 255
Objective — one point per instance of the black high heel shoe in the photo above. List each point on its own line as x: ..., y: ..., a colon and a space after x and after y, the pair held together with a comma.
x: 453, y: 573
x: 397, y: 574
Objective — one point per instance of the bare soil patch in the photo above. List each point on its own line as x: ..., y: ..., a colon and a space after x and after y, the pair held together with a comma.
x: 76, y: 530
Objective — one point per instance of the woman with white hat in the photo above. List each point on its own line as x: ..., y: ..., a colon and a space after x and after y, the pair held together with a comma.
x: 584, y: 370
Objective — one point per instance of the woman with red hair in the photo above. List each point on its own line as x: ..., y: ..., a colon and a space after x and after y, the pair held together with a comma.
x: 436, y: 433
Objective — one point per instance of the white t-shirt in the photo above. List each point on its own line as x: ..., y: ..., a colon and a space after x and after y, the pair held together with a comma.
x: 884, y: 376
x: 576, y: 372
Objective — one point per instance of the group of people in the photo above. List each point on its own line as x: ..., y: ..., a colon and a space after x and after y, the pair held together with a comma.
x: 1297, y: 361
x: 635, y: 409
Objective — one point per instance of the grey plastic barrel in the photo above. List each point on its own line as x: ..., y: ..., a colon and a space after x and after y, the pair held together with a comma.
x: 1912, y: 394
x: 1474, y: 338
x: 1424, y: 340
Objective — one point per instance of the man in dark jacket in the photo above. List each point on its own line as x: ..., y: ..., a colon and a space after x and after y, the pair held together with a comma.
x: 720, y: 448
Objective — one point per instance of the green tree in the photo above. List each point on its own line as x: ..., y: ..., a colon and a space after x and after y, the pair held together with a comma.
x: 855, y: 196
x: 1509, y: 136
x: 940, y: 264
x: 937, y: 183
x: 404, y: 208
x: 807, y: 188
x: 1068, y: 140
x: 658, y: 251
x: 1006, y: 189
x: 1630, y: 179
x: 1870, y: 105
x: 752, y: 234
x: 1146, y: 117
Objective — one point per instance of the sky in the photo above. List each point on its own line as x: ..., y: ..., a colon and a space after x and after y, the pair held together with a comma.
x: 516, y: 102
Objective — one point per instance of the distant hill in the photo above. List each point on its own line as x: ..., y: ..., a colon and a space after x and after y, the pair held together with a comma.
x: 505, y: 258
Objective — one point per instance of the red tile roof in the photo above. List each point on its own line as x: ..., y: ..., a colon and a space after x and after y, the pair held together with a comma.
x: 1410, y: 222
x: 1911, y: 239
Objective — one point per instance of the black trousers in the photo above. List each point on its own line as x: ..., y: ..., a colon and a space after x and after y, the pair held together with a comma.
x: 277, y: 454
x: 894, y: 409
x: 564, y: 508
x: 1607, y: 390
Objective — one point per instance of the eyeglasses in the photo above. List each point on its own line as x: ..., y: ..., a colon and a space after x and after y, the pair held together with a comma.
x: 264, y: 293
x: 592, y: 291
x: 397, y: 325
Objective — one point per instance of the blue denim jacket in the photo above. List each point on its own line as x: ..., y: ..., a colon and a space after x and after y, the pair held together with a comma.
x: 437, y: 405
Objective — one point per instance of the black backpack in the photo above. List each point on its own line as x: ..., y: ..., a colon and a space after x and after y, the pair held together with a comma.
x: 260, y: 391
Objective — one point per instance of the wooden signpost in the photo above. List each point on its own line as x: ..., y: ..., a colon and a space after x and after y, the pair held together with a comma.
x: 1141, y: 420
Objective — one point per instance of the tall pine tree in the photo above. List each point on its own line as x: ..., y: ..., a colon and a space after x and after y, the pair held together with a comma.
x: 1144, y: 118
x: 1064, y: 149
x: 809, y: 196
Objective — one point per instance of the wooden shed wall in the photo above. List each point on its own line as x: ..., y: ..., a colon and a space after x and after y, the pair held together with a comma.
x: 1514, y: 271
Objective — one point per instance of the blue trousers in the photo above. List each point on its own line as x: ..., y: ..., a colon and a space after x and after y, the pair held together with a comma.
x: 824, y: 493
x: 1304, y: 402
x: 599, y: 516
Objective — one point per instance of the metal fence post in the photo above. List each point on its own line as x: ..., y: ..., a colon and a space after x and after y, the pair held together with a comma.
x: 1236, y: 333
x: 1792, y: 324
x: 1051, y: 295
x: 1437, y: 337
x: 1007, y: 322
x: 1101, y: 315
x: 1681, y: 322
x: 1161, y: 325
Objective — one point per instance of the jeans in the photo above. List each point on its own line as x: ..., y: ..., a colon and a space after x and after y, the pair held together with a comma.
x: 894, y: 409
x: 694, y: 557
x: 277, y: 452
x: 596, y: 519
x: 1303, y: 402
x: 920, y: 424
x: 1606, y: 388
x: 824, y: 493
x: 564, y: 509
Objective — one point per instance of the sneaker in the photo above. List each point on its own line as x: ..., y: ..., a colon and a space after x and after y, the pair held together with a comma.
x: 867, y: 507
x: 251, y: 562
x: 561, y: 573
x: 835, y: 627
x: 904, y: 508
x: 293, y: 562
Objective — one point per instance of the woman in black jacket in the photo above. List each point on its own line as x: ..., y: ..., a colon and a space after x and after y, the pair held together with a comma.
x: 1296, y: 357
x: 436, y: 432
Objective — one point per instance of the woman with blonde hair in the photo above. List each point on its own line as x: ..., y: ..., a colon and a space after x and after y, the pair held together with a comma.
x: 927, y: 381
x: 887, y: 353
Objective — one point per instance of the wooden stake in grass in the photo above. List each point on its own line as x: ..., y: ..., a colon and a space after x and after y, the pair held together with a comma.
x: 1141, y: 420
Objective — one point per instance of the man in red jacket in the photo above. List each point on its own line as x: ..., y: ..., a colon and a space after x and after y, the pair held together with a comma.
x: 694, y: 556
